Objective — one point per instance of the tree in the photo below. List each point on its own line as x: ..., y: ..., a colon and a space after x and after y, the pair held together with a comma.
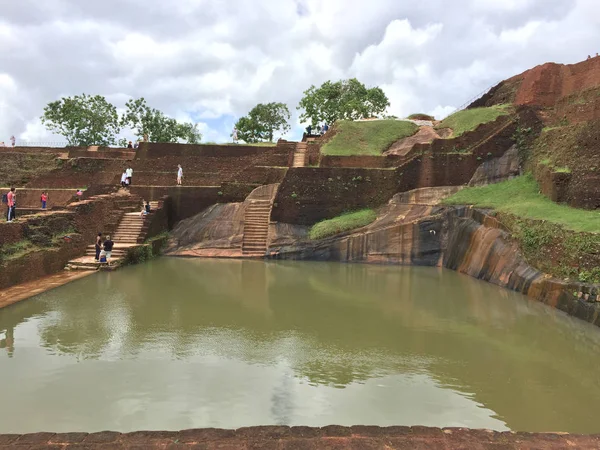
x: 159, y: 128
x: 263, y: 121
x: 342, y: 100
x: 83, y: 120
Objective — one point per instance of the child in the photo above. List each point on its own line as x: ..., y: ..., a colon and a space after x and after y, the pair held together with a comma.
x: 44, y: 199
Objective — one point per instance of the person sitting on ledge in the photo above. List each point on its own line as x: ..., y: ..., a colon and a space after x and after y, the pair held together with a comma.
x: 145, y: 209
x: 130, y: 145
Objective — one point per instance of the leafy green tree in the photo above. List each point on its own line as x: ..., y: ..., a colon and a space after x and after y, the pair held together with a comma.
x: 158, y: 127
x: 263, y: 121
x: 342, y: 100
x: 83, y: 120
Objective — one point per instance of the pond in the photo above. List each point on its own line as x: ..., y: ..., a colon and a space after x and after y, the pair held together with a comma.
x: 187, y: 343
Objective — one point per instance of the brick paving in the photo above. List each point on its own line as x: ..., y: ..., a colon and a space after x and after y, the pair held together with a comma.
x: 282, y: 437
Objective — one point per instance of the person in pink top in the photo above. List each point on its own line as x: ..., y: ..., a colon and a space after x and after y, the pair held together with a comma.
x: 11, y: 205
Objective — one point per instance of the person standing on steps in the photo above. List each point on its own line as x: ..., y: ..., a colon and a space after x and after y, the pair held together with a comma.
x: 108, y: 246
x: 129, y: 172
x: 44, y: 199
x: 179, y: 174
x: 98, y: 246
x: 124, y: 178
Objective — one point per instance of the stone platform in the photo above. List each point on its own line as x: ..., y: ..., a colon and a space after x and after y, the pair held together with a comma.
x: 282, y: 437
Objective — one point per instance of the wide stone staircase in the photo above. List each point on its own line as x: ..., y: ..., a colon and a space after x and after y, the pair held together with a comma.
x: 131, y: 231
x: 300, y: 154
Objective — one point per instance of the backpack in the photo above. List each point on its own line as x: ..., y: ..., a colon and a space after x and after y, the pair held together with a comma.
x: 4, y: 198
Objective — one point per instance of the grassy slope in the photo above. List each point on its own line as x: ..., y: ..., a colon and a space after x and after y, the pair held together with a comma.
x: 367, y: 138
x: 544, y: 229
x: 344, y: 222
x: 521, y: 197
x: 469, y: 119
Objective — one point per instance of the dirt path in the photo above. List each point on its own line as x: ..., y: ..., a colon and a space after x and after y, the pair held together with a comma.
x: 425, y: 135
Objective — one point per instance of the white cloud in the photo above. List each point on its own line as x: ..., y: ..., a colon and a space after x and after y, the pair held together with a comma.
x: 215, y: 60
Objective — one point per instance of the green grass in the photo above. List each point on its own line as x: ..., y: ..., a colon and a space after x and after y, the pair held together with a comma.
x: 522, y: 198
x: 421, y: 116
x: 339, y: 224
x: 469, y: 119
x: 368, y: 137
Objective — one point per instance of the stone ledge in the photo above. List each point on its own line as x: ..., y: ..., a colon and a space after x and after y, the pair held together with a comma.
x: 283, y: 437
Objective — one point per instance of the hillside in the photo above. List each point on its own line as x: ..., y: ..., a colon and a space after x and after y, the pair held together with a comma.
x: 565, y: 157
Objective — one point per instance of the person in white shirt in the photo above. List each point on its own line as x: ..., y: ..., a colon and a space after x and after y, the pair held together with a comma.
x: 124, y: 179
x: 179, y: 174
x: 129, y: 172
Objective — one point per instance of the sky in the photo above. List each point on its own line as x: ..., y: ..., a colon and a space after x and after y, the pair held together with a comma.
x: 210, y: 62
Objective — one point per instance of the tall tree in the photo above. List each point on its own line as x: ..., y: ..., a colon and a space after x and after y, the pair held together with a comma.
x: 263, y: 121
x: 83, y: 120
x: 342, y: 100
x: 159, y: 128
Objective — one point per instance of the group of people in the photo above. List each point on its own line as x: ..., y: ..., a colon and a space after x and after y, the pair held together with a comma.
x: 130, y: 144
x: 126, y: 177
x: 12, y: 142
x: 320, y: 130
x: 103, y: 248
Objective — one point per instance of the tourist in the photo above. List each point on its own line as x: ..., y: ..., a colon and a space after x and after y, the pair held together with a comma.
x: 145, y: 137
x: 136, y: 145
x: 309, y: 130
x: 13, y: 140
x: 78, y: 194
x: 44, y: 199
x: 2, y: 144
x: 318, y: 130
x: 108, y: 246
x: 129, y: 172
x: 10, y: 203
x: 130, y: 145
x: 325, y: 128
x: 98, y: 246
x: 13, y: 208
x: 145, y: 209
x: 235, y: 134
x: 124, y: 178
x: 179, y: 174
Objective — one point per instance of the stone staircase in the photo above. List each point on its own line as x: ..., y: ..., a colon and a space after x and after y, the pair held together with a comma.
x: 130, y: 232
x: 256, y: 228
x: 257, y: 217
x: 300, y: 154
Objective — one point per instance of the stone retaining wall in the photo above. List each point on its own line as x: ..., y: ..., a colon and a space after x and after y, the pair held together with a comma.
x: 301, y: 437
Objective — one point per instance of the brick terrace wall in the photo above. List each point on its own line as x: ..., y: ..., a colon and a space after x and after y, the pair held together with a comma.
x: 308, y: 195
x: 30, y: 198
x: 86, y: 217
x: 150, y: 150
x: 366, y: 161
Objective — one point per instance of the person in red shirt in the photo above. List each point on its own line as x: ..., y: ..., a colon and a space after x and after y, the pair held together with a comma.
x: 11, y: 205
x: 44, y: 199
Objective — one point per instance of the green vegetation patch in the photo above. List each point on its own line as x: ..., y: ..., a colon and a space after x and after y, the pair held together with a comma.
x: 468, y: 119
x: 344, y: 222
x: 421, y: 116
x: 521, y: 196
x: 368, y: 137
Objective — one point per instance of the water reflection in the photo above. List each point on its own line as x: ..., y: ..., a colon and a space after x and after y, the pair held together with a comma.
x: 300, y: 343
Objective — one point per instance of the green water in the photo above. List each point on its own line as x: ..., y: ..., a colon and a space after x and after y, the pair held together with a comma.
x: 205, y: 343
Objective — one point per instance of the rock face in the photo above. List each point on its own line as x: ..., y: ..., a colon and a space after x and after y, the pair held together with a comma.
x: 497, y: 169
